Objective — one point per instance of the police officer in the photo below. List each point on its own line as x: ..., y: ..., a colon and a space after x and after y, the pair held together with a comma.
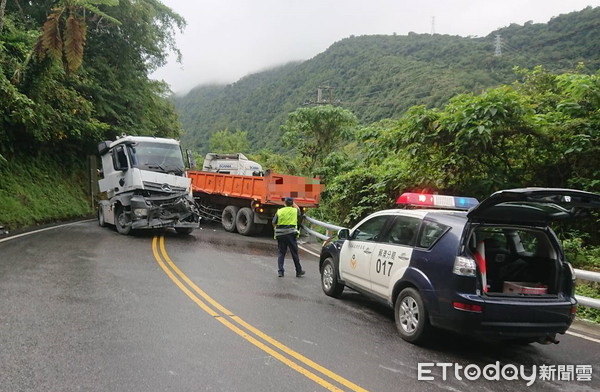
x: 286, y: 231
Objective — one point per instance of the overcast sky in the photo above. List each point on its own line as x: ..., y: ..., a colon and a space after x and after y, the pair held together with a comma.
x: 227, y: 39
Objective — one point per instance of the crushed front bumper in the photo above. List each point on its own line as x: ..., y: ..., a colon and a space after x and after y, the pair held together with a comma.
x: 177, y: 211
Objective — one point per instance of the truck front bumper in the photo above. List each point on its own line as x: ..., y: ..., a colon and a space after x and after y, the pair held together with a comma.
x: 164, y: 211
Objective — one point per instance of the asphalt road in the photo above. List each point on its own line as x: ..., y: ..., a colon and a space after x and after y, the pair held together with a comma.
x: 83, y: 308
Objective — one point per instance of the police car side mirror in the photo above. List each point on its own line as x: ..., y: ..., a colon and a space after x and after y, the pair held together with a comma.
x: 344, y: 234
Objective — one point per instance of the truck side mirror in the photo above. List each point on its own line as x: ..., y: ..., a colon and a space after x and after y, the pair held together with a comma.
x: 120, y: 159
x: 344, y: 234
x: 190, y: 159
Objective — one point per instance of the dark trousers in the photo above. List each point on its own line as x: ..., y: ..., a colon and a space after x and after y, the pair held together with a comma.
x: 284, y: 242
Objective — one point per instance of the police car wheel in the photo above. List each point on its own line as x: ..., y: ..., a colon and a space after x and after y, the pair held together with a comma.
x: 329, y: 282
x: 411, y: 316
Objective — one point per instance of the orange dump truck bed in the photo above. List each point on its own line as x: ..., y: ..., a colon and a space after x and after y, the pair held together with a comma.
x: 268, y: 190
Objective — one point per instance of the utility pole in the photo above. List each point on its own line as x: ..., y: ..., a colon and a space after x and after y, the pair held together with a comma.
x: 498, y: 49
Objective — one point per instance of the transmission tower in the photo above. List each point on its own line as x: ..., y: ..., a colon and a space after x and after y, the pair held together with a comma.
x: 320, y: 90
x: 432, y: 25
x: 498, y: 49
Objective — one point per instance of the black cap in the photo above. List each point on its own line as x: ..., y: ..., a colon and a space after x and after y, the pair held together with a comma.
x: 289, y: 201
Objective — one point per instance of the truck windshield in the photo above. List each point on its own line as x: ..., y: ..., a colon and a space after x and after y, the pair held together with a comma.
x: 163, y: 157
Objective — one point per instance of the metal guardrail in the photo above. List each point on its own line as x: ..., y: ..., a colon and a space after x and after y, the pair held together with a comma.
x: 331, y: 229
x: 589, y: 276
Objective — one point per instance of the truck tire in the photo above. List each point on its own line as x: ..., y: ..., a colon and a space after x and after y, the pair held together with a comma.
x: 244, y: 221
x: 122, y: 220
x: 228, y: 218
x: 101, y: 220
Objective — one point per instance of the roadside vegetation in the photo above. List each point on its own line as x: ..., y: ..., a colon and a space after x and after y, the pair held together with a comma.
x: 74, y: 73
x: 39, y: 190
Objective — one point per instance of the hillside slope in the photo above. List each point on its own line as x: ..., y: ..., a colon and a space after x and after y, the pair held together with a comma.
x: 381, y: 76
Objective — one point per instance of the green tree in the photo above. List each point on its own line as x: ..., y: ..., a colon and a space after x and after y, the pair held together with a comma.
x: 225, y: 142
x: 64, y: 33
x: 315, y: 132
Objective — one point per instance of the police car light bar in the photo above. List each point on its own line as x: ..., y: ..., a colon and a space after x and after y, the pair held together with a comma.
x: 437, y: 201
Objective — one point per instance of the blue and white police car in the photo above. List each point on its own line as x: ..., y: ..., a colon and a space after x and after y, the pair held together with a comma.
x: 497, y: 270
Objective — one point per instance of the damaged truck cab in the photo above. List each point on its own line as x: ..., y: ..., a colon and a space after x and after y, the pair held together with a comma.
x: 146, y: 185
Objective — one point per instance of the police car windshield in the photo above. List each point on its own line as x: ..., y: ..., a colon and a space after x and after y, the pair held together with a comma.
x: 161, y: 157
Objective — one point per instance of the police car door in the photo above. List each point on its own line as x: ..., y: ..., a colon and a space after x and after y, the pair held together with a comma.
x: 393, y: 254
x: 356, y: 252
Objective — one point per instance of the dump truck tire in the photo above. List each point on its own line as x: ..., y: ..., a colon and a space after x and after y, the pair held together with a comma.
x: 245, y: 221
x: 229, y: 217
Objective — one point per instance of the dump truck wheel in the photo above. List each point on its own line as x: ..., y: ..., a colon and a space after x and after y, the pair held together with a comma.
x: 122, y: 220
x: 228, y: 218
x: 244, y: 221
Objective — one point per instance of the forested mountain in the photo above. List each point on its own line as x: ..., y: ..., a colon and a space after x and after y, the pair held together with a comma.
x: 379, y: 77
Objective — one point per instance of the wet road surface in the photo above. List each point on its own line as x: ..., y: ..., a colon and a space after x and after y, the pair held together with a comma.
x: 85, y: 309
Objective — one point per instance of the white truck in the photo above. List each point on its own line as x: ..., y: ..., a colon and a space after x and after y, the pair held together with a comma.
x: 231, y: 164
x: 146, y: 185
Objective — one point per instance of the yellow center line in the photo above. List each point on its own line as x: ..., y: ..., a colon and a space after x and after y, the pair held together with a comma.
x: 243, y: 334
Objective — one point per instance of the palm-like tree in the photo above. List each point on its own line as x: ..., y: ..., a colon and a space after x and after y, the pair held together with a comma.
x: 63, y: 35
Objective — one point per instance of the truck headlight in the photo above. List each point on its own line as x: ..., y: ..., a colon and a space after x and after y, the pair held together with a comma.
x: 140, y: 212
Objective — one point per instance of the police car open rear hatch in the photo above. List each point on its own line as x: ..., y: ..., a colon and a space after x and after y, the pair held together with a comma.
x: 534, y: 206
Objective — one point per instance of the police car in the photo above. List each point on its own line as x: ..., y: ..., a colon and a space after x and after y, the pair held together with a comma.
x: 497, y: 270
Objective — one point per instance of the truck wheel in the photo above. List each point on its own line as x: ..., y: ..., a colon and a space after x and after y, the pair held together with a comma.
x: 329, y: 282
x: 184, y: 230
x: 122, y: 220
x: 411, y: 316
x: 244, y: 221
x: 229, y: 217
x: 101, y: 220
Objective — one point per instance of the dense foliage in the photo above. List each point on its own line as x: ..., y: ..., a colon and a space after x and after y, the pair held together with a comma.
x: 74, y: 72
x: 379, y: 77
x: 542, y: 131
x: 41, y: 190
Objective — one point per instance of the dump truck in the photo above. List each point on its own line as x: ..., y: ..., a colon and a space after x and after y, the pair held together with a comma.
x: 225, y: 191
x: 146, y: 186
